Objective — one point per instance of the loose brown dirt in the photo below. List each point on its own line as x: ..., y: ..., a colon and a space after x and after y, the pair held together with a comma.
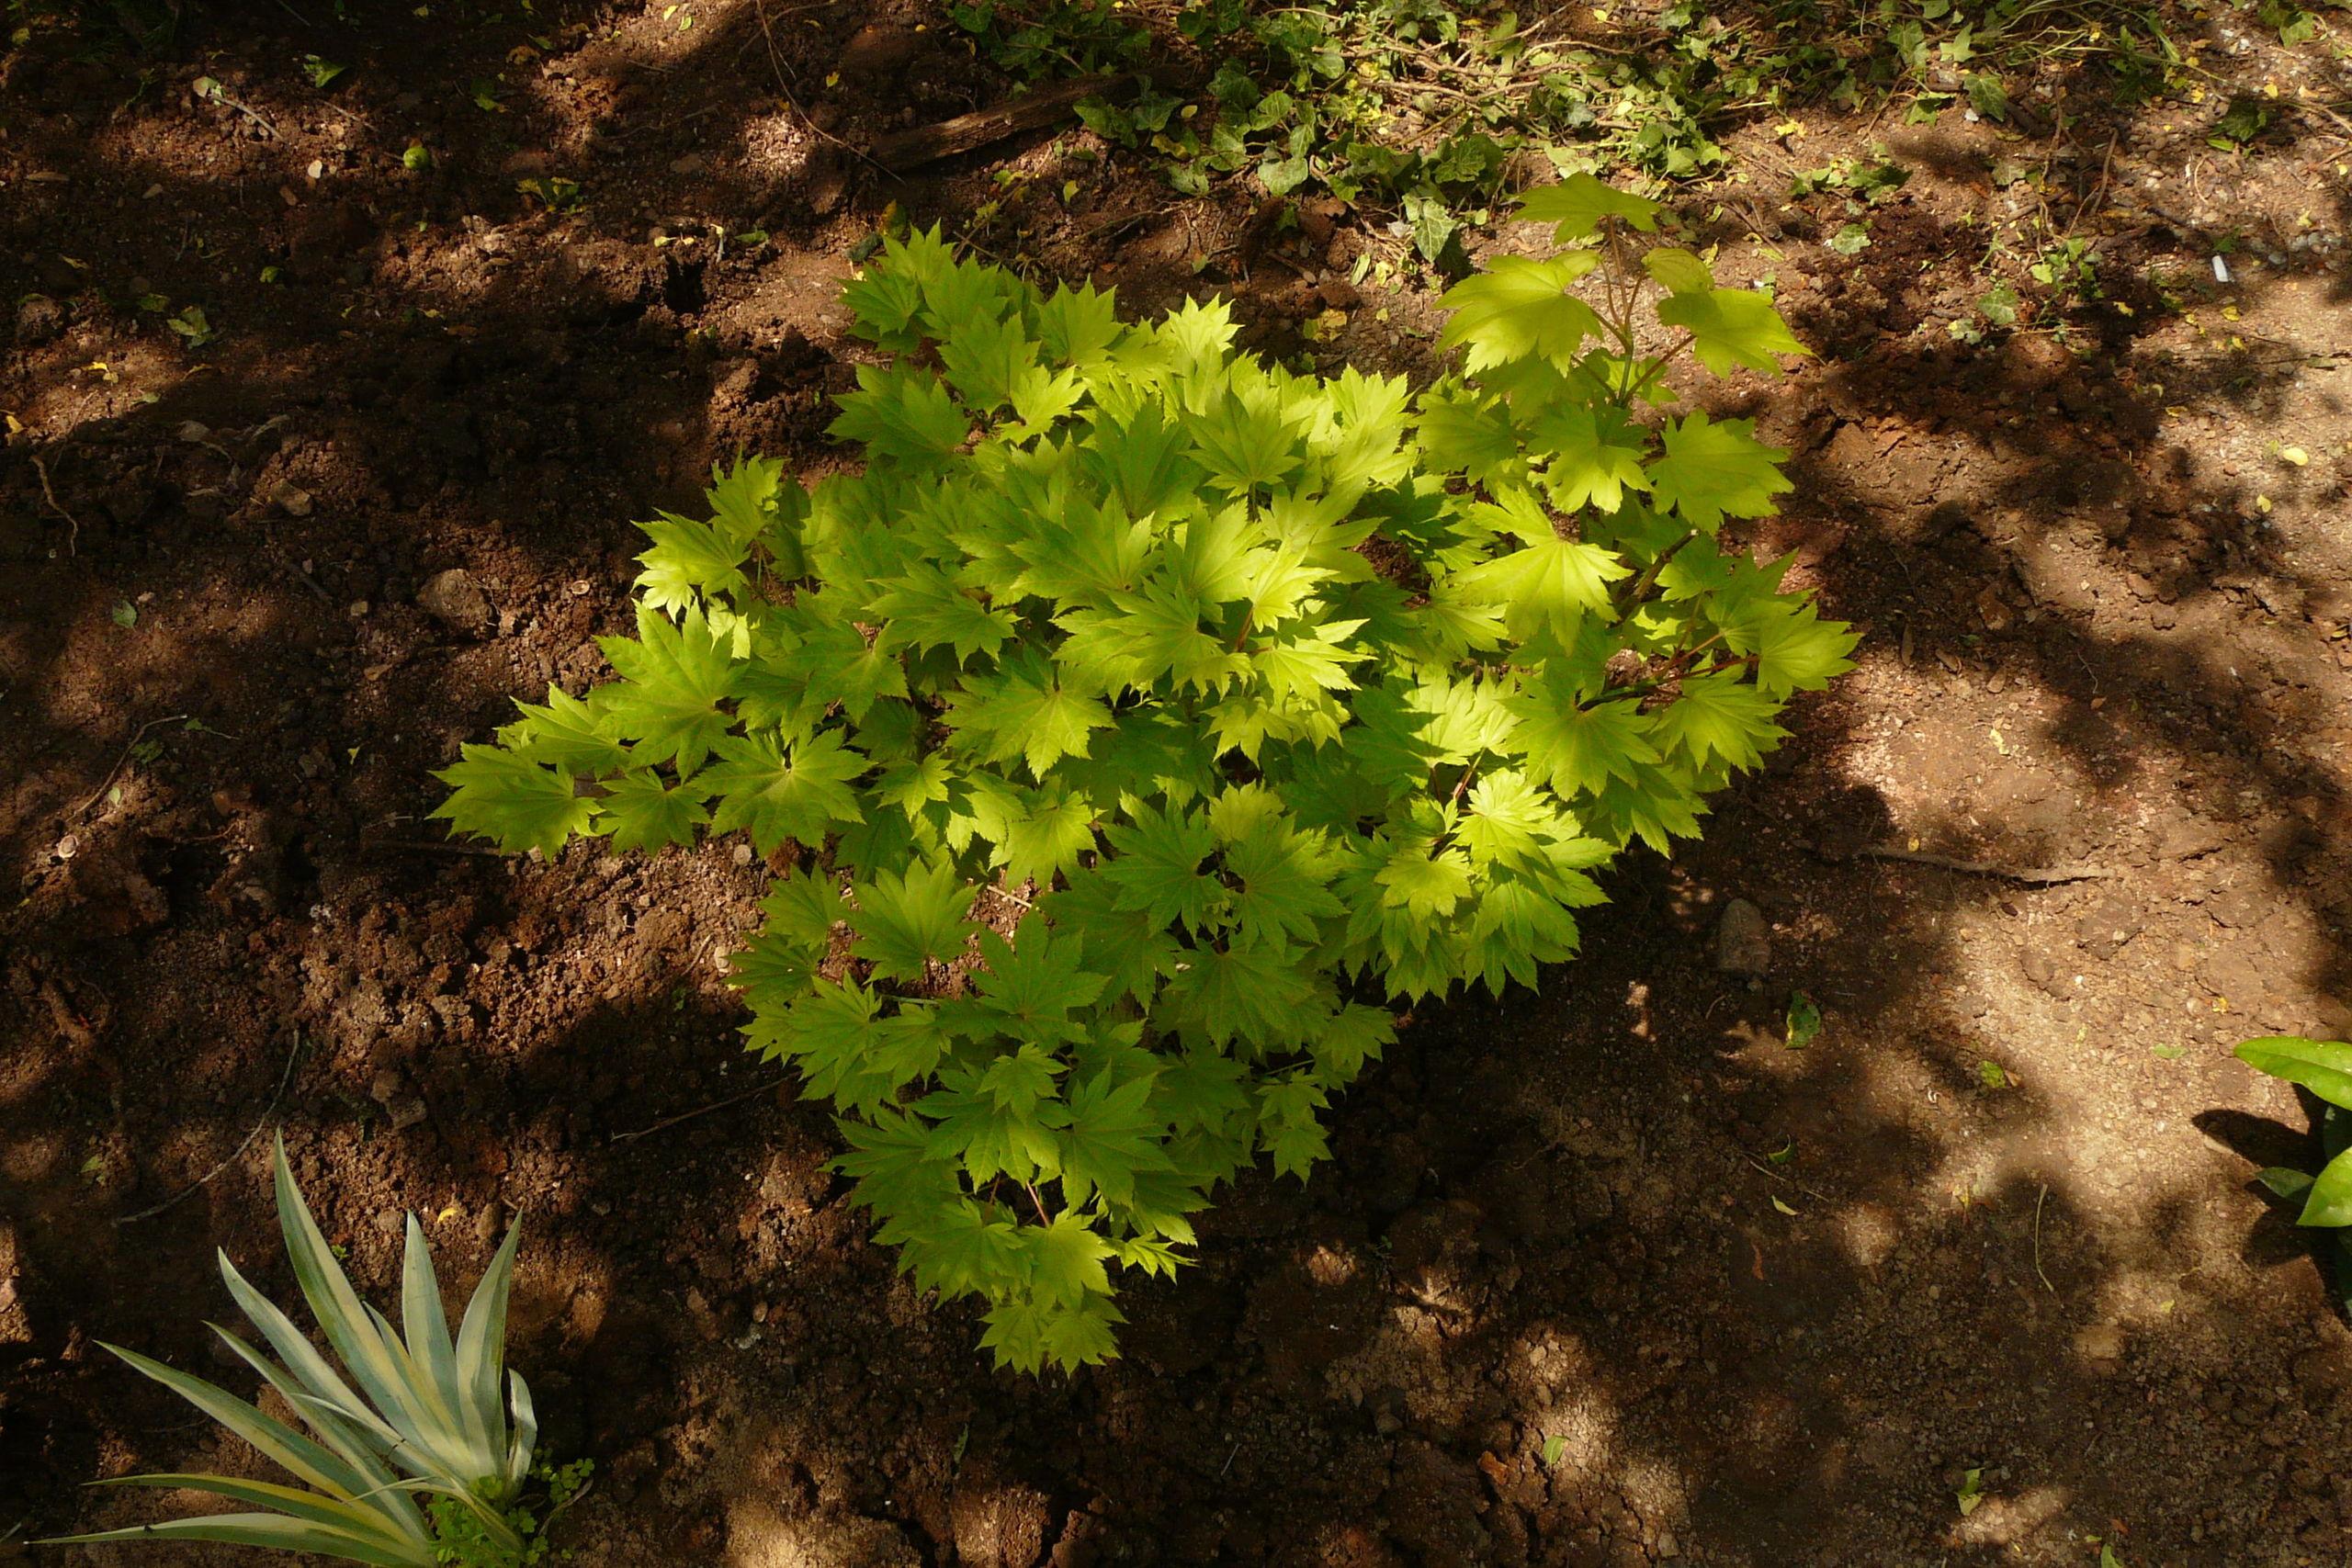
x: 1605, y: 1275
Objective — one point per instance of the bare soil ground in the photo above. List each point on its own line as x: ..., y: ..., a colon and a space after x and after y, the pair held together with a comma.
x: 1607, y: 1275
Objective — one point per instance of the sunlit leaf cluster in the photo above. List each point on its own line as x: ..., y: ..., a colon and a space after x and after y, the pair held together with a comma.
x: 1145, y: 721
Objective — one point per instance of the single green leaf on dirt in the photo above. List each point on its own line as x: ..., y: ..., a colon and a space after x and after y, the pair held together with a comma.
x: 2285, y: 1182
x: 2329, y: 1203
x: 1803, y: 1023
x: 2323, y: 1066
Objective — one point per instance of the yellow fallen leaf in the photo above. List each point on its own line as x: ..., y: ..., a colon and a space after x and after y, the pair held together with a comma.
x: 1783, y: 1207
x: 2294, y: 455
x: 2262, y: 504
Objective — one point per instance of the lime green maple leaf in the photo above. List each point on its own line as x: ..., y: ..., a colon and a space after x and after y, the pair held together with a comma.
x: 1289, y: 1126
x: 1520, y: 308
x: 688, y: 560
x: 1031, y: 987
x: 1245, y: 441
x: 1025, y: 711
x: 1596, y: 455
x: 926, y: 608
x: 783, y: 793
x: 964, y: 1249
x: 1157, y: 869
x: 1112, y: 1136
x: 1126, y: 944
x: 1469, y: 434
x: 1729, y: 327
x: 1678, y: 270
x: 674, y: 676
x: 882, y: 305
x: 642, y: 811
x: 1252, y: 992
x: 903, y: 414
x: 834, y: 662
x: 1578, y: 749
x: 997, y: 1118
x: 748, y: 499
x: 1551, y: 585
x: 987, y: 360
x: 1579, y: 203
x: 907, y: 921
x: 899, y: 1167
x: 566, y: 733
x: 511, y: 801
x: 1285, y: 879
x: 1078, y: 326
x: 1795, y: 649
x: 1719, y: 715
x: 1717, y: 470
x: 1425, y: 885
x: 1045, y: 834
x: 833, y: 1034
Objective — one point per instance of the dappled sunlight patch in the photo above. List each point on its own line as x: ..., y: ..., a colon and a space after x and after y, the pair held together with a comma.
x: 1995, y: 1520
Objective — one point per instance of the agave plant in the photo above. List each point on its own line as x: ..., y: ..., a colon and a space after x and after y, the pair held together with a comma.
x: 431, y: 1415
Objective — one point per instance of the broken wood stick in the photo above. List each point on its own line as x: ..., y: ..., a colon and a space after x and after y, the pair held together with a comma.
x: 904, y: 150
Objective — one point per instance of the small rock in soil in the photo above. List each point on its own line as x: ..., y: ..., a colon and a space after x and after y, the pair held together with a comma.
x: 2039, y: 968
x: 39, y: 318
x: 455, y: 599
x: 291, y: 498
x: 2187, y: 839
x: 2105, y: 928
x: 1744, y: 941
x: 998, y: 1524
x: 1994, y: 612
x: 2101, y: 1342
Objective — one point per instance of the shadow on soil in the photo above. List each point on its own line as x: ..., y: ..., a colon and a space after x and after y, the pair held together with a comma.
x: 1604, y: 1277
